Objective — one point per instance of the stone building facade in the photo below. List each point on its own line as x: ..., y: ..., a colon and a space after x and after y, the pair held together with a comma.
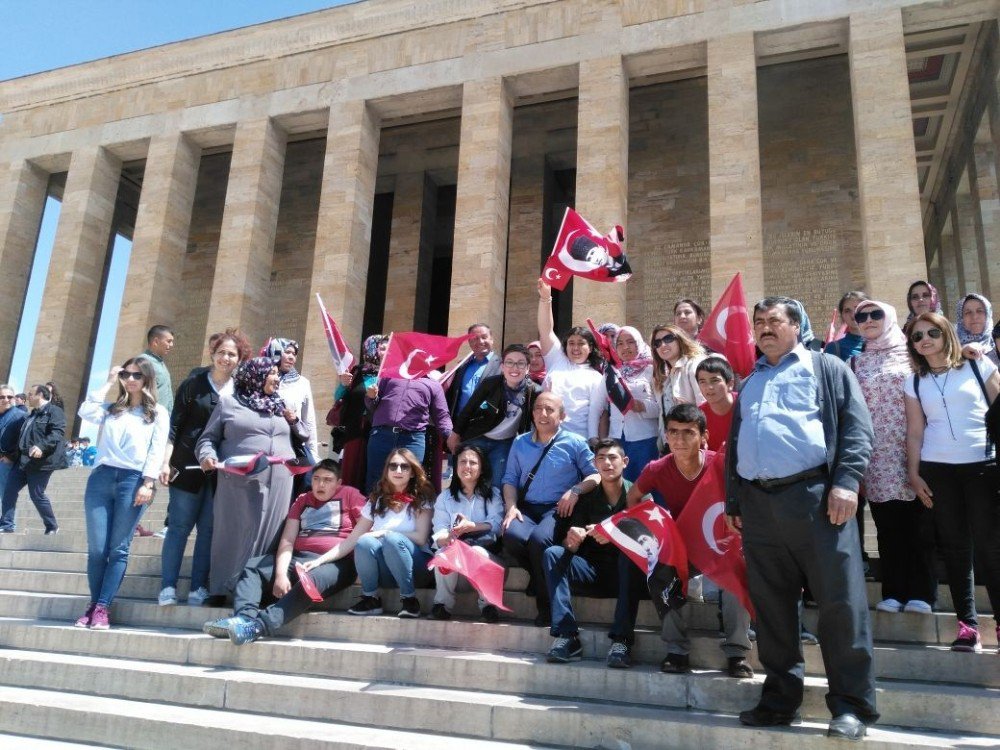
x: 410, y: 163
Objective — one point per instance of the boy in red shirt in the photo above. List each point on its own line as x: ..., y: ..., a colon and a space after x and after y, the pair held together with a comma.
x: 716, y: 382
x: 317, y: 522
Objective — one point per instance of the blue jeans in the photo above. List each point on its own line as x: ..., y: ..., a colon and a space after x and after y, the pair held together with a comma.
x: 391, y: 560
x: 526, y: 541
x: 381, y: 442
x: 496, y: 451
x: 186, y: 511
x: 37, y: 481
x: 640, y: 453
x: 109, y: 505
x: 563, y: 569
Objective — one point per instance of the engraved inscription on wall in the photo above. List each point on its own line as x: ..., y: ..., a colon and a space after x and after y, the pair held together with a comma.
x: 671, y: 271
x: 805, y: 264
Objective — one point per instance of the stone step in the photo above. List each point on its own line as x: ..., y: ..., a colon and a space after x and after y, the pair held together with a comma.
x: 78, y: 527
x: 144, y: 725
x: 35, y: 540
x: 22, y: 742
x: 403, y: 698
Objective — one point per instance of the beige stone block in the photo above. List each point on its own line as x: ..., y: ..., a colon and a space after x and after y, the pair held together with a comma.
x: 602, y: 176
x: 970, y: 273
x: 891, y: 224
x: 340, y: 257
x: 949, y: 265
x: 987, y: 199
x: 404, y: 253
x: 479, y: 256
x: 734, y: 165
x: 524, y: 247
x: 22, y: 200
x: 61, y: 351
x: 154, y: 292
x: 243, y: 265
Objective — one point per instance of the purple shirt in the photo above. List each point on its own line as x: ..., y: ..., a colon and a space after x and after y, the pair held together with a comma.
x: 410, y: 405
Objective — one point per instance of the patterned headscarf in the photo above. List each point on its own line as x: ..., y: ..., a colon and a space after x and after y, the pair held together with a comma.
x: 935, y: 298
x: 965, y: 336
x: 369, y: 353
x: 248, y: 386
x: 274, y: 348
x: 805, y: 327
x: 642, y: 360
x: 892, y: 335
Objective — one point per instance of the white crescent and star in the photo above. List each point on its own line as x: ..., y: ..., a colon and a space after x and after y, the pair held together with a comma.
x: 654, y: 514
x: 708, y: 525
x: 551, y: 274
x: 404, y: 369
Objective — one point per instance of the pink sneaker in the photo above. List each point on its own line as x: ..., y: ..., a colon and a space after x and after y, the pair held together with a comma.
x: 99, y: 618
x: 968, y: 639
x: 84, y: 622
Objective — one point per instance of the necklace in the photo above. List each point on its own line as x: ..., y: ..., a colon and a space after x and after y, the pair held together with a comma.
x: 944, y: 402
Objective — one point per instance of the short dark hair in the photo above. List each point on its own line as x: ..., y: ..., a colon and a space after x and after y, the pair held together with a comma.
x: 792, y: 309
x: 687, y: 414
x: 694, y: 306
x: 474, y: 326
x: 601, y: 444
x: 84, y: 440
x: 43, y: 390
x: 859, y: 296
x: 328, y: 464
x: 716, y: 365
x: 516, y: 348
x: 156, y: 331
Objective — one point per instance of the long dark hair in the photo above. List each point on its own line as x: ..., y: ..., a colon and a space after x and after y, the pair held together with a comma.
x: 484, y: 485
x: 122, y: 404
x: 418, y: 487
x: 594, y: 359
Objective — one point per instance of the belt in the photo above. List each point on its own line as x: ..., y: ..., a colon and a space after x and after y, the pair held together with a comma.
x: 773, y: 484
x: 395, y: 429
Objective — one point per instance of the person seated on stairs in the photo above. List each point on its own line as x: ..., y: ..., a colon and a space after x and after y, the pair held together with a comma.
x: 318, y: 521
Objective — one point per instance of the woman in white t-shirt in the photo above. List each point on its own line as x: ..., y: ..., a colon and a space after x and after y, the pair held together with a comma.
x: 391, y: 538
x: 573, y: 369
x: 951, y: 466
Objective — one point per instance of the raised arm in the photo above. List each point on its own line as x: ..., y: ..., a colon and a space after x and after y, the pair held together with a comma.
x: 546, y: 333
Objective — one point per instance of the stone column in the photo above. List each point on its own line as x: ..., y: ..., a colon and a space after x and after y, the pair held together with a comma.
x: 601, y: 176
x: 949, y: 267
x: 61, y: 350
x: 23, y: 189
x: 404, y: 252
x: 153, y: 290
x: 527, y: 203
x: 965, y: 219
x: 985, y: 166
x: 737, y: 243
x: 891, y: 226
x: 479, y: 257
x: 246, y: 244
x: 343, y: 238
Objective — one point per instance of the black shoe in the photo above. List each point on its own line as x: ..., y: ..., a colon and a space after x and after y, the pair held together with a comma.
x: 619, y: 655
x: 847, y: 727
x: 565, y: 650
x: 544, y: 618
x: 765, y: 717
x: 410, y: 607
x: 676, y: 664
x: 490, y: 614
x: 740, y: 668
x: 52, y: 531
x: 7, y: 531
x: 366, y: 605
x: 440, y: 612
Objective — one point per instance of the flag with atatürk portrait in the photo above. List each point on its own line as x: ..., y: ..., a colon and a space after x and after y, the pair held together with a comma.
x: 580, y: 250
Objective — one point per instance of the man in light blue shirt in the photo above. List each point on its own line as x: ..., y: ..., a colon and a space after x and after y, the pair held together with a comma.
x: 798, y: 448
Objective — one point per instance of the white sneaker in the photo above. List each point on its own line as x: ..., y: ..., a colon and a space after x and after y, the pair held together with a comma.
x: 889, y: 605
x: 916, y: 605
x: 162, y: 533
x: 198, y: 597
x: 168, y: 596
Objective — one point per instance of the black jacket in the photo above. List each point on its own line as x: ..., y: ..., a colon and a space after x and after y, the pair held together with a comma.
x: 486, y: 408
x: 45, y: 428
x: 194, y: 403
x: 455, y: 389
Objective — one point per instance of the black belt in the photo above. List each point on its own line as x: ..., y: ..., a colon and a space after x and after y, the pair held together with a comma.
x: 397, y: 430
x: 773, y: 484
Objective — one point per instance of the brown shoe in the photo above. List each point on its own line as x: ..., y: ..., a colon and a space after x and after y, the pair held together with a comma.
x: 740, y: 668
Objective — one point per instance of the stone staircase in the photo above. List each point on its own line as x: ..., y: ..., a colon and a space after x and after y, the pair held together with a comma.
x: 337, y: 681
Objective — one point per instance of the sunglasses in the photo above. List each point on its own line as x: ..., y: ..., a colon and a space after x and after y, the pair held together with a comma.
x: 6, y: 398
x: 876, y: 314
x: 393, y: 466
x: 126, y: 375
x: 667, y: 338
x: 917, y: 336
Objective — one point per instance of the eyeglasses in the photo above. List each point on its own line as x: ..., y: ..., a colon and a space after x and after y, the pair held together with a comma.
x: 515, y: 364
x: 403, y: 466
x: 915, y: 296
x: 6, y: 398
x: 127, y: 374
x: 917, y: 336
x: 876, y: 314
x: 667, y: 338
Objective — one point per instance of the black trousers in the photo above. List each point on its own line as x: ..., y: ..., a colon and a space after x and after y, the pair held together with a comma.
x: 255, y: 584
x: 789, y: 542
x: 905, y: 550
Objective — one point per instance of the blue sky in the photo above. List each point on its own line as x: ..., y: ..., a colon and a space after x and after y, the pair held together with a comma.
x: 46, y: 34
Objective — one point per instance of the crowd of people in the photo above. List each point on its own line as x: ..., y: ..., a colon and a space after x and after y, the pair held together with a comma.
x: 895, y: 414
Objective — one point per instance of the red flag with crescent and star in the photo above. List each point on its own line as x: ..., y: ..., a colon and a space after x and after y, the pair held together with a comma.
x: 580, y: 250
x: 413, y: 355
x: 714, y: 548
x: 727, y: 329
x: 485, y: 575
x: 343, y: 360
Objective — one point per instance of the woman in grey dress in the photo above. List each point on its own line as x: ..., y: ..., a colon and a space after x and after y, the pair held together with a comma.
x: 250, y: 509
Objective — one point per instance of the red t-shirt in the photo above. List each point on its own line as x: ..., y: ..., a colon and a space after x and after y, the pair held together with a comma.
x: 718, y: 426
x: 663, y: 476
x: 323, y: 525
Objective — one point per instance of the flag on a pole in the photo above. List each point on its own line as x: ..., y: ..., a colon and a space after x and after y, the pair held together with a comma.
x: 727, y: 329
x: 834, y: 332
x: 413, y: 355
x: 446, y: 377
x: 251, y: 465
x: 580, y: 250
x: 343, y: 360
x: 605, y: 344
x: 618, y: 391
x: 714, y: 548
x: 485, y: 575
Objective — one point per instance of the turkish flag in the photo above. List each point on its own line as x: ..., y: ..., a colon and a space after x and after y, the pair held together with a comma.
x: 249, y: 466
x: 580, y: 250
x: 713, y: 547
x: 485, y: 575
x: 342, y: 357
x: 727, y: 329
x: 413, y: 355
x: 307, y: 583
x: 605, y: 344
x: 834, y: 332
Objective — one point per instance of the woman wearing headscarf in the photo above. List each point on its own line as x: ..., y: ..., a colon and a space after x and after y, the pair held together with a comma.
x: 636, y: 430
x: 354, y: 420
x: 249, y: 510
x: 974, y: 327
x: 922, y: 297
x: 295, y: 390
x: 903, y: 524
x: 536, y: 362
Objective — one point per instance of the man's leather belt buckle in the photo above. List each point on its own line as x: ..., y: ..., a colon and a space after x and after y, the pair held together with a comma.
x: 774, y: 484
